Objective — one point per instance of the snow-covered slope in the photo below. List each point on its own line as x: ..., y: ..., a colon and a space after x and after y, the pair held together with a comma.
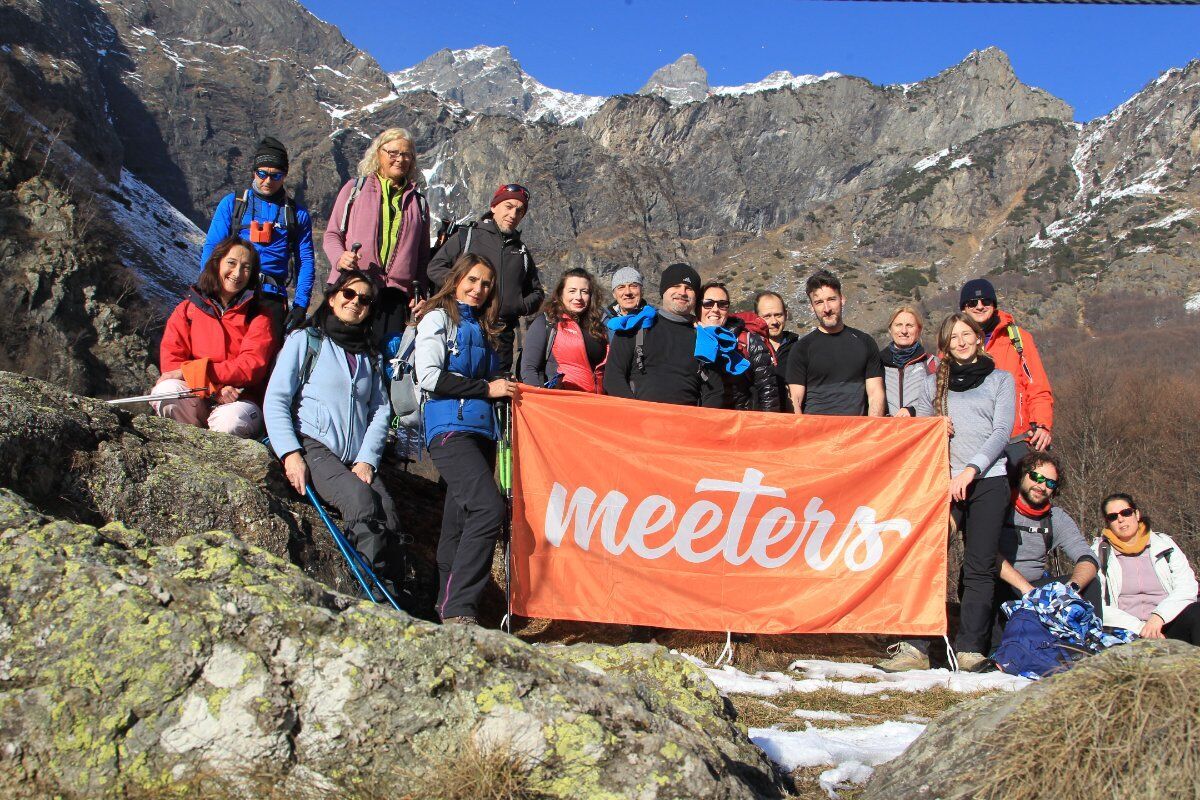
x: 162, y: 245
x: 776, y: 80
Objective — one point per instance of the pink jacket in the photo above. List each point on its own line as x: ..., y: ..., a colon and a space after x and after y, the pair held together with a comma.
x: 409, y: 257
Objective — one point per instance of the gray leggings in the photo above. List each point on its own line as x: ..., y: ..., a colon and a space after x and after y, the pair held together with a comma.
x: 368, y: 513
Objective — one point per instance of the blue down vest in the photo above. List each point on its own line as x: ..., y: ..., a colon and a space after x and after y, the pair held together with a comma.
x: 472, y: 357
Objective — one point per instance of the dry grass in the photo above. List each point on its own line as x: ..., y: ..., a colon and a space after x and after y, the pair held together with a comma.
x: 758, y: 712
x: 1111, y: 727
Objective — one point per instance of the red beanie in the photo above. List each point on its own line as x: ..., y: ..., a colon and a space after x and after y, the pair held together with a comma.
x: 511, y: 191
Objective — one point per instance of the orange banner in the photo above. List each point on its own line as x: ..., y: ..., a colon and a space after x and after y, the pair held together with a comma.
x: 702, y: 519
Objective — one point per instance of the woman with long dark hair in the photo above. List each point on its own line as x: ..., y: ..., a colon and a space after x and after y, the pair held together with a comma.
x: 980, y: 401
x: 328, y: 372
x: 568, y: 337
x: 458, y: 369
x: 219, y: 343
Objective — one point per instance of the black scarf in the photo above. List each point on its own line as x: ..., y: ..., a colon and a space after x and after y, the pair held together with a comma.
x: 351, y: 338
x: 991, y: 324
x: 964, y: 377
x: 899, y: 356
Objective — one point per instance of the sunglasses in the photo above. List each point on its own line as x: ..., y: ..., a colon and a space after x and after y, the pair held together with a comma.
x: 363, y: 299
x: 721, y: 304
x: 1037, y: 477
x: 516, y: 188
x: 270, y: 176
x: 1124, y: 512
x: 980, y: 302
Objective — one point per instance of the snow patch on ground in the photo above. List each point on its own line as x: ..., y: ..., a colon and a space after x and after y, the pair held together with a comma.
x: 965, y: 161
x: 1192, y: 305
x: 171, y: 242
x: 1171, y: 219
x: 846, y: 678
x: 870, y: 745
x: 931, y: 161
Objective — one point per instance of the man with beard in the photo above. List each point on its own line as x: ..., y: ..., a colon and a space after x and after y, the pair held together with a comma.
x: 1032, y: 528
x: 496, y: 238
x: 774, y: 312
x: 1013, y: 350
x: 653, y: 352
x: 834, y: 370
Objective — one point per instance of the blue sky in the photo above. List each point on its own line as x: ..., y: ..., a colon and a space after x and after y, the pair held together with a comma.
x: 1094, y: 57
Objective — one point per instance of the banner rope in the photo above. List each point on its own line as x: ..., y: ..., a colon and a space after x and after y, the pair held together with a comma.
x: 727, y: 653
x: 950, y: 654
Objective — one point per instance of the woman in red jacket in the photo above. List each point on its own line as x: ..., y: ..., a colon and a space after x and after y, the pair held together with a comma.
x: 218, y: 344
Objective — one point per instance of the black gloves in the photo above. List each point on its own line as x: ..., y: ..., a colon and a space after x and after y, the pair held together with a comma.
x: 294, y: 318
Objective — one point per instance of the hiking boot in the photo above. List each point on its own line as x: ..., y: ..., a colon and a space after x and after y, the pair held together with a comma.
x: 464, y: 620
x: 972, y: 662
x: 903, y: 658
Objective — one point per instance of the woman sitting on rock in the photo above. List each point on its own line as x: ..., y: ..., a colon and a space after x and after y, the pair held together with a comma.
x: 327, y: 416
x: 457, y: 366
x: 219, y: 344
x: 1146, y: 583
x: 981, y: 403
x: 568, y: 337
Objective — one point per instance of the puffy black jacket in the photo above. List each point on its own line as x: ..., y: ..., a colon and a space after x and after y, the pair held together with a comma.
x: 787, y: 339
x: 756, y: 389
x: 517, y: 281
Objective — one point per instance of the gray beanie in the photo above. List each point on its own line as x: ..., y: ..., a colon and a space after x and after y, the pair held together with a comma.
x: 626, y: 275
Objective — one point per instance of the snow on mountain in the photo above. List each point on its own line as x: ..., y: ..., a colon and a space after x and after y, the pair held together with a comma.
x: 776, y: 80
x: 489, y: 80
x: 164, y: 245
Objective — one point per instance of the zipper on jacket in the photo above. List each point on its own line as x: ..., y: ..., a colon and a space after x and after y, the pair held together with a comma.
x: 461, y: 402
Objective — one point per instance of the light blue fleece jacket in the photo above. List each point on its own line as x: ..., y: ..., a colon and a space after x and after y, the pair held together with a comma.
x: 350, y: 417
x: 983, y: 419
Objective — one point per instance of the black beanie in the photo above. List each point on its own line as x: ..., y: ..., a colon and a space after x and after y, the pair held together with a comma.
x: 271, y: 153
x: 677, y: 274
x: 978, y: 289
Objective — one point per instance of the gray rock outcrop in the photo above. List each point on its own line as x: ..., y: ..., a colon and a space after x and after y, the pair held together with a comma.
x: 129, y: 667
x: 683, y: 81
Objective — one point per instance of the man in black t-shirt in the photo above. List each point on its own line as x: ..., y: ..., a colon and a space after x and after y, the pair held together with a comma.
x: 834, y: 370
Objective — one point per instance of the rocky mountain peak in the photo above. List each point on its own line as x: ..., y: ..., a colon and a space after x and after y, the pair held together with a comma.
x: 488, y: 80
x: 684, y: 81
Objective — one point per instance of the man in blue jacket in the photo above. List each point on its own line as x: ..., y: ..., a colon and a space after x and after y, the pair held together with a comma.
x: 279, y: 229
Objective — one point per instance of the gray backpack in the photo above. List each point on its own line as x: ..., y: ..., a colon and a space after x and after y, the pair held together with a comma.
x: 406, y: 396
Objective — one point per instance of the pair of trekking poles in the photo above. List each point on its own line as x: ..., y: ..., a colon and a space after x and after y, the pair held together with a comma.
x: 367, y: 578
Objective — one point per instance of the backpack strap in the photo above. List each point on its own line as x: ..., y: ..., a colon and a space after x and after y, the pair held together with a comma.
x: 1014, y: 335
x: 639, y: 349
x: 240, y: 204
x: 358, y: 185
x: 313, y: 341
x: 467, y: 242
x: 293, y: 238
x: 550, y: 335
x: 422, y: 207
x: 1105, y: 552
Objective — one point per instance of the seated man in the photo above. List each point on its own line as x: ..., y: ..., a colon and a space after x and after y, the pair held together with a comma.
x: 1033, y: 527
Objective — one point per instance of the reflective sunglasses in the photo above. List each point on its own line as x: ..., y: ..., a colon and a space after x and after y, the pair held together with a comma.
x: 981, y: 302
x: 721, y: 304
x: 516, y: 188
x: 270, y: 176
x: 1037, y: 477
x: 1124, y: 512
x: 363, y: 299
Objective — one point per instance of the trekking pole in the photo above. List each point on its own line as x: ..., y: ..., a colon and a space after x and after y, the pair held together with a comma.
x: 354, y: 559
x: 146, y: 398
x: 506, y: 487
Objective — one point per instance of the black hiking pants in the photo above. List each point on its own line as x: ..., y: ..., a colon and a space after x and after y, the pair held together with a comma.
x: 471, y: 520
x: 1185, y: 627
x: 392, y: 314
x: 982, y: 515
x: 368, y: 513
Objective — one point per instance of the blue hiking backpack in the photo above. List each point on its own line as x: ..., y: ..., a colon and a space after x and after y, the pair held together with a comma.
x: 1029, y: 648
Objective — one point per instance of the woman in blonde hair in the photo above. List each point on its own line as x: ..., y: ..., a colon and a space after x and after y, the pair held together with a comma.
x: 981, y: 403
x: 906, y: 366
x: 382, y: 211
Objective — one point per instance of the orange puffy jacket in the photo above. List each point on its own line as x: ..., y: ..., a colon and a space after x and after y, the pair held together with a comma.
x: 239, y: 342
x: 1035, y: 401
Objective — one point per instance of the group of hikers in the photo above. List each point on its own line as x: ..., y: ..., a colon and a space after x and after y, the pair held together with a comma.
x: 242, y: 353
